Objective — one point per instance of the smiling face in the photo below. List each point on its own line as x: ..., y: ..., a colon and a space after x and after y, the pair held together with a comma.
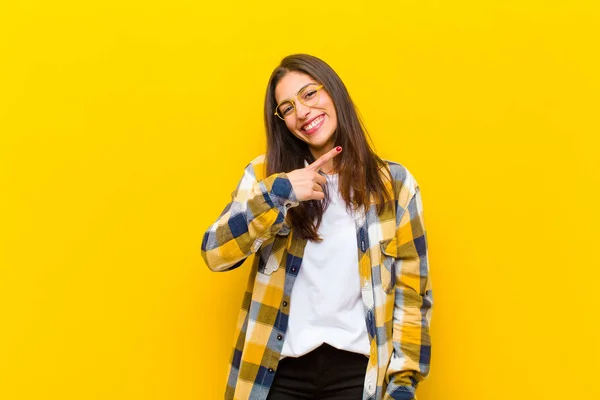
x: 313, y: 125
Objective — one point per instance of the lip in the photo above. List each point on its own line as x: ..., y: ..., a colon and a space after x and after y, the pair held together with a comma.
x: 314, y: 129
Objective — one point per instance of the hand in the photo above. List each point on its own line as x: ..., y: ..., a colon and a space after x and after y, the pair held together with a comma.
x: 307, y: 181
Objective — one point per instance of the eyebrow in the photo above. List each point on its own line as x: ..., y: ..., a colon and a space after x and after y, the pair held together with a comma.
x: 299, y: 90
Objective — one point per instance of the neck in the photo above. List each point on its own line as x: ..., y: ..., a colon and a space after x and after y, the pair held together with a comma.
x: 317, y: 153
x: 328, y: 168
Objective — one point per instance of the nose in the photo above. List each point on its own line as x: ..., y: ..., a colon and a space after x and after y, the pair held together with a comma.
x: 302, y: 110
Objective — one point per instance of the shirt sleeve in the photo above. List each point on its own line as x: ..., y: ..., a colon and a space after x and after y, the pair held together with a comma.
x: 410, y: 360
x: 256, y: 213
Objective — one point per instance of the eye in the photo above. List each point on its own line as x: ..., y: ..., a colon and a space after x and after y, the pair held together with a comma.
x: 286, y: 109
x: 310, y: 94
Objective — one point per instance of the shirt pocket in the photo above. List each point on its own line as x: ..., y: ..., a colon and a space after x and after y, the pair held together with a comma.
x: 387, y: 267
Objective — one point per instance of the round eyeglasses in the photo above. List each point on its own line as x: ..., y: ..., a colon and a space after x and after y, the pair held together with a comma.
x: 308, y: 95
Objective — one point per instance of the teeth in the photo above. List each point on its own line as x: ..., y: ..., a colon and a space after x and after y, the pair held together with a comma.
x: 314, y: 123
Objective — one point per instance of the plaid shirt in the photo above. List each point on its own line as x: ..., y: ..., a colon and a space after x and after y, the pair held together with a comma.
x: 393, y: 268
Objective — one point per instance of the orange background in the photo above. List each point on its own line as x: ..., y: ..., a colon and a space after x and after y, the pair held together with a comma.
x: 124, y: 127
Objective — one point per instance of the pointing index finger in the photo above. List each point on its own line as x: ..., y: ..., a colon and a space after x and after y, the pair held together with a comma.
x: 324, y: 159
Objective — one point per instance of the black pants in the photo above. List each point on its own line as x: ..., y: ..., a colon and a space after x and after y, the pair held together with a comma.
x: 325, y: 373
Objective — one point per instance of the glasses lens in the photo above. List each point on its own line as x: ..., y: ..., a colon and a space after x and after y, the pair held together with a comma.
x: 310, y: 95
x: 285, y: 109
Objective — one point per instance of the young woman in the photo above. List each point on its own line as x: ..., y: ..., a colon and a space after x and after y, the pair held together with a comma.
x: 338, y: 302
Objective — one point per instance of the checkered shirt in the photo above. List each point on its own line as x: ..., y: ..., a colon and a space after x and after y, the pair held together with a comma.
x: 393, y: 267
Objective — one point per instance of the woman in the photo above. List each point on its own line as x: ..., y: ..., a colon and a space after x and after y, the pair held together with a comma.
x: 338, y: 302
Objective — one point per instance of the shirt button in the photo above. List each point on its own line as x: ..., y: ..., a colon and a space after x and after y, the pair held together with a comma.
x: 270, y: 370
x: 279, y: 337
x: 294, y: 269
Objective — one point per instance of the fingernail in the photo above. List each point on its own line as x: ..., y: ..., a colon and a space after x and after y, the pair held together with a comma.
x: 339, y: 148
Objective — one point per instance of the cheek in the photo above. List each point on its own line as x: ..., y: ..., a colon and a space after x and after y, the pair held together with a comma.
x: 332, y: 114
x: 329, y: 107
x: 291, y: 125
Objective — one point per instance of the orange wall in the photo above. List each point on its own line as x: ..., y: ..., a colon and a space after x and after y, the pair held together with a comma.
x: 124, y: 127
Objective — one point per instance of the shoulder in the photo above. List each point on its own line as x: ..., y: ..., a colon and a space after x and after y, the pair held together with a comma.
x: 257, y: 167
x: 403, y: 181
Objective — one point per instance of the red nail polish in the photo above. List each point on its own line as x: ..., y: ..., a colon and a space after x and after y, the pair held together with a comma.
x: 339, y: 148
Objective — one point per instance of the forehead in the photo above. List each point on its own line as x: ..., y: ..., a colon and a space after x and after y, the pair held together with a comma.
x: 288, y: 86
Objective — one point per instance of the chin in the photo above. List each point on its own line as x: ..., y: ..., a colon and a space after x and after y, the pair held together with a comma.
x: 318, y: 140
x: 323, y: 139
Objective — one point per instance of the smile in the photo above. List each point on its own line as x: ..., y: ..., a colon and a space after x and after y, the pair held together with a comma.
x: 314, y: 124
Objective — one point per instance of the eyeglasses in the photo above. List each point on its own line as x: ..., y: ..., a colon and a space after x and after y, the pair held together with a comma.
x: 308, y: 95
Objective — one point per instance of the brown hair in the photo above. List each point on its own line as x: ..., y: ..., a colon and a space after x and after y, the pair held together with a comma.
x: 358, y: 165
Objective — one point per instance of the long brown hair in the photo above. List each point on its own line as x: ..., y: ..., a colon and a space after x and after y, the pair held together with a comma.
x: 358, y: 165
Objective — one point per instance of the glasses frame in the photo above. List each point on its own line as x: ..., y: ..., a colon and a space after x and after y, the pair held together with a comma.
x: 318, y: 89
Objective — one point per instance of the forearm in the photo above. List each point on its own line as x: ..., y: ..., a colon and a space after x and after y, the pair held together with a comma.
x: 410, y: 361
x: 256, y: 213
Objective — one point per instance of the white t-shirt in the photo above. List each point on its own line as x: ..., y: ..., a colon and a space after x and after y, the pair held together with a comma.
x: 326, y: 304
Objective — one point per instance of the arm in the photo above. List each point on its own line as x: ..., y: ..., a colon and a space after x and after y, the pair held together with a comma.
x: 410, y: 359
x: 256, y: 213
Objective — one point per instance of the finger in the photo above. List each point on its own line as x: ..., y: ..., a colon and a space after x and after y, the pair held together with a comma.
x: 317, y: 187
x: 320, y: 179
x: 324, y: 159
x: 317, y: 195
